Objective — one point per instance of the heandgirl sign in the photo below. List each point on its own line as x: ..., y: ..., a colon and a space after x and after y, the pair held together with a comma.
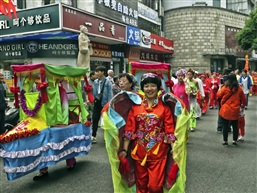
x: 39, y: 49
x: 119, y: 10
x: 31, y: 21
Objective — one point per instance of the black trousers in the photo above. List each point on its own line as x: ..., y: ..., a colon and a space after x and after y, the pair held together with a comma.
x: 226, y: 124
x: 2, y: 121
x: 96, y: 117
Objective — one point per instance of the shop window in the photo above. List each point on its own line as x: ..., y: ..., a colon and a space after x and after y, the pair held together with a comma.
x: 21, y: 4
x: 216, y: 3
x: 74, y: 3
x: 217, y: 65
x: 47, y: 2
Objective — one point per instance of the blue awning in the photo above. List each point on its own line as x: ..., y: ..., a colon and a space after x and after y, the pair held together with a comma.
x: 56, y: 35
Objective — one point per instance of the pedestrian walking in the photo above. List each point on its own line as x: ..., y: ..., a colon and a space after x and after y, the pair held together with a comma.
x: 2, y: 103
x: 102, y: 91
x: 241, y: 124
x: 246, y: 82
x: 192, y: 89
x: 115, y: 86
x: 179, y: 88
x: 200, y: 95
x: 231, y: 99
x: 110, y: 76
x: 204, y: 101
x: 214, y: 89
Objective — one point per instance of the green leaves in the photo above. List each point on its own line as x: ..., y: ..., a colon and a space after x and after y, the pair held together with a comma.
x: 247, y: 37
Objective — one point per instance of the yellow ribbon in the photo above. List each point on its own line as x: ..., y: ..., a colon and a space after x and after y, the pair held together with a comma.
x: 134, y: 150
x: 155, y: 152
x: 144, y: 161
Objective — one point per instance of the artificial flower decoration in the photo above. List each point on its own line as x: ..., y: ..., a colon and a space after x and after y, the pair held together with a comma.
x: 7, y: 8
x: 88, y: 123
x: 24, y: 107
x: 88, y: 89
x: 12, y: 137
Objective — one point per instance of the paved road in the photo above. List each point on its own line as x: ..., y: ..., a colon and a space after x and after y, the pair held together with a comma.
x: 211, y: 168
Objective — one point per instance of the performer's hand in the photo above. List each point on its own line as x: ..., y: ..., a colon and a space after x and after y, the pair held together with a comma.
x: 123, y: 154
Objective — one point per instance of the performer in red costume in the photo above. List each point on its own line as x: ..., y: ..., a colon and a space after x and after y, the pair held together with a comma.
x: 204, y: 102
x: 214, y: 89
x: 150, y: 128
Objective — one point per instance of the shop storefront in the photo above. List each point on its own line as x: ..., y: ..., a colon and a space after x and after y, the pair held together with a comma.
x: 50, y: 34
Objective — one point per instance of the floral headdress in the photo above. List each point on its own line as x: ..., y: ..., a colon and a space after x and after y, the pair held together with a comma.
x: 181, y: 72
x: 147, y: 75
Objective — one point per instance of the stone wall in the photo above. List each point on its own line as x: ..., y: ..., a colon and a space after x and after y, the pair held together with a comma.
x: 197, y: 32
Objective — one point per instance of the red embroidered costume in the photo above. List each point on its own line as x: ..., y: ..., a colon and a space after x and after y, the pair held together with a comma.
x: 152, y: 132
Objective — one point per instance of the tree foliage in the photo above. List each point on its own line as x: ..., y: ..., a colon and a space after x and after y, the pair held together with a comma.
x: 247, y: 37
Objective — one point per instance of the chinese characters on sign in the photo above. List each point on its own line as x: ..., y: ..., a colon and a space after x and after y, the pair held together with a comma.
x: 133, y: 36
x: 31, y: 20
x: 118, y: 54
x: 149, y: 56
x: 128, y: 14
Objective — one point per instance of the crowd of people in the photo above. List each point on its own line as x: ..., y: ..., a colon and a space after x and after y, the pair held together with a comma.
x: 228, y: 92
x: 199, y: 92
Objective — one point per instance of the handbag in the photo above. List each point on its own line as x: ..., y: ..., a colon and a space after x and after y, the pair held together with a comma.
x: 98, y: 97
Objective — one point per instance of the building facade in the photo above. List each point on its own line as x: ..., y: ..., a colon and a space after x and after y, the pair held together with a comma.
x: 204, y: 37
x: 47, y: 31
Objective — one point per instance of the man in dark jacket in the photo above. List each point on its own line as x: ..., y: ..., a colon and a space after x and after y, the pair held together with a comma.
x: 2, y: 103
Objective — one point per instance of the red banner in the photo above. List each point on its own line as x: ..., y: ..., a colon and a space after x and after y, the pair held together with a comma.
x: 162, y: 44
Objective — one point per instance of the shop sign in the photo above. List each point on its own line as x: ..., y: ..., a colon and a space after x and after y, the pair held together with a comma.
x: 101, y: 53
x: 39, y: 49
x: 133, y: 36
x: 13, y: 51
x: 150, y: 56
x: 161, y: 44
x: 145, y: 39
x: 147, y: 12
x: 231, y: 44
x: 119, y: 10
x: 134, y: 54
x: 100, y: 46
x: 52, y: 49
x: 118, y: 54
x: 31, y: 21
x: 96, y: 26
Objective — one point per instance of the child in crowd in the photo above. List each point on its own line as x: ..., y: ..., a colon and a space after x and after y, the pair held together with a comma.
x: 241, y: 124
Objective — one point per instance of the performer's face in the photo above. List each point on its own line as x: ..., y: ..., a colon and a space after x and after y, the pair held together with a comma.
x: 180, y: 78
x: 125, y: 84
x: 189, y: 75
x: 150, y: 90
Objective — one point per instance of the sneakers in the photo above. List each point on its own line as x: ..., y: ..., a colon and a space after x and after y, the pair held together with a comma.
x: 234, y: 143
x: 192, y: 129
x: 40, y: 176
x: 240, y: 138
x: 225, y: 143
x: 245, y: 107
x: 93, y: 139
x: 211, y: 107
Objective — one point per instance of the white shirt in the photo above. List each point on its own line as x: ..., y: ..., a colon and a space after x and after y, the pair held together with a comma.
x: 245, y: 83
x: 200, y: 84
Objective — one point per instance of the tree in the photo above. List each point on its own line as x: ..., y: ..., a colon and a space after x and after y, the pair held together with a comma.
x: 247, y: 37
